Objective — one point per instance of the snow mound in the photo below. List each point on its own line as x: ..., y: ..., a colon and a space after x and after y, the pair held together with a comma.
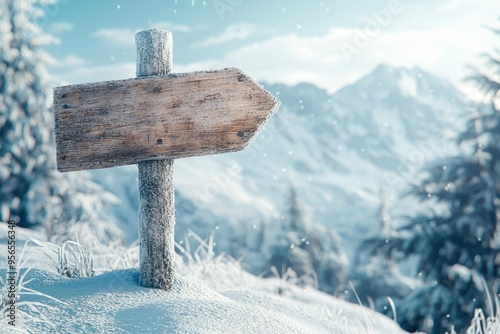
x: 115, y: 303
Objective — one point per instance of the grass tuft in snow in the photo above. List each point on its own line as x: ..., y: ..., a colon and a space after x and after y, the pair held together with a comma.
x: 221, y: 271
x: 482, y: 324
x: 29, y: 315
x: 367, y: 327
x: 126, y: 257
x: 291, y: 278
x: 202, y: 265
x: 70, y: 259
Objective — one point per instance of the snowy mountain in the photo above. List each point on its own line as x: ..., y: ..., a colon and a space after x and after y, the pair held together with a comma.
x: 337, y: 150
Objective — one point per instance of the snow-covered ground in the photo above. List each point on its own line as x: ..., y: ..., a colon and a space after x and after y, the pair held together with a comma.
x: 115, y: 303
x: 211, y: 294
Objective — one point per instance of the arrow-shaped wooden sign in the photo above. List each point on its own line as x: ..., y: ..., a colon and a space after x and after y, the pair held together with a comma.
x: 151, y: 121
x: 122, y: 122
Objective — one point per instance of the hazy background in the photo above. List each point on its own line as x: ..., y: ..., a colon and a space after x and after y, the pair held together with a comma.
x: 275, y: 41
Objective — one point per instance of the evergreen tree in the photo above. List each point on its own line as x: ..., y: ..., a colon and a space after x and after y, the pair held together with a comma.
x: 378, y: 278
x: 309, y: 249
x: 457, y: 246
x: 32, y: 192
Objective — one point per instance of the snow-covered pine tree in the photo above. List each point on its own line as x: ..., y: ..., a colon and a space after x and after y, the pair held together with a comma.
x: 309, y: 249
x: 378, y: 278
x: 457, y: 246
x: 32, y: 192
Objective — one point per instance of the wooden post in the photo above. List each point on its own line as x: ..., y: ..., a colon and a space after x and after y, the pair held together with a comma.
x: 151, y: 120
x: 156, y: 183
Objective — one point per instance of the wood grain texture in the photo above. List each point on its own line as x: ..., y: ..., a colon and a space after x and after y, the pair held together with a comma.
x: 122, y: 122
x: 156, y: 223
x: 156, y: 178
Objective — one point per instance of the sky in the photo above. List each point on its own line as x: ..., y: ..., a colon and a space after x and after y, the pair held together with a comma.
x: 326, y: 43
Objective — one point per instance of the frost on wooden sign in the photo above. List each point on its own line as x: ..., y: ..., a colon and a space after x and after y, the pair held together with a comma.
x: 114, y: 123
x: 151, y: 120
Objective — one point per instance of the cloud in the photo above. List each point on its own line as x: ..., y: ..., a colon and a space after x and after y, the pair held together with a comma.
x: 322, y: 60
x: 288, y: 58
x: 57, y: 28
x: 124, y: 37
x: 458, y: 5
x: 89, y: 73
x: 117, y: 36
x: 69, y: 61
x: 232, y: 32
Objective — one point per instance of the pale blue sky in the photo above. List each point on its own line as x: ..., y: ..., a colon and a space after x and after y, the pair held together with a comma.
x: 327, y: 43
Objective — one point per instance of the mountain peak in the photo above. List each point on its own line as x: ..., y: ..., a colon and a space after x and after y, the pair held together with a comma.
x: 386, y: 80
x: 395, y: 71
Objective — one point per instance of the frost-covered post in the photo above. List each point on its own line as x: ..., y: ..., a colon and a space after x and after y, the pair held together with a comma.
x: 156, y: 177
x: 150, y: 121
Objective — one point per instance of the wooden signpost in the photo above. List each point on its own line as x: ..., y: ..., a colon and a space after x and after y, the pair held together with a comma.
x: 152, y: 120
